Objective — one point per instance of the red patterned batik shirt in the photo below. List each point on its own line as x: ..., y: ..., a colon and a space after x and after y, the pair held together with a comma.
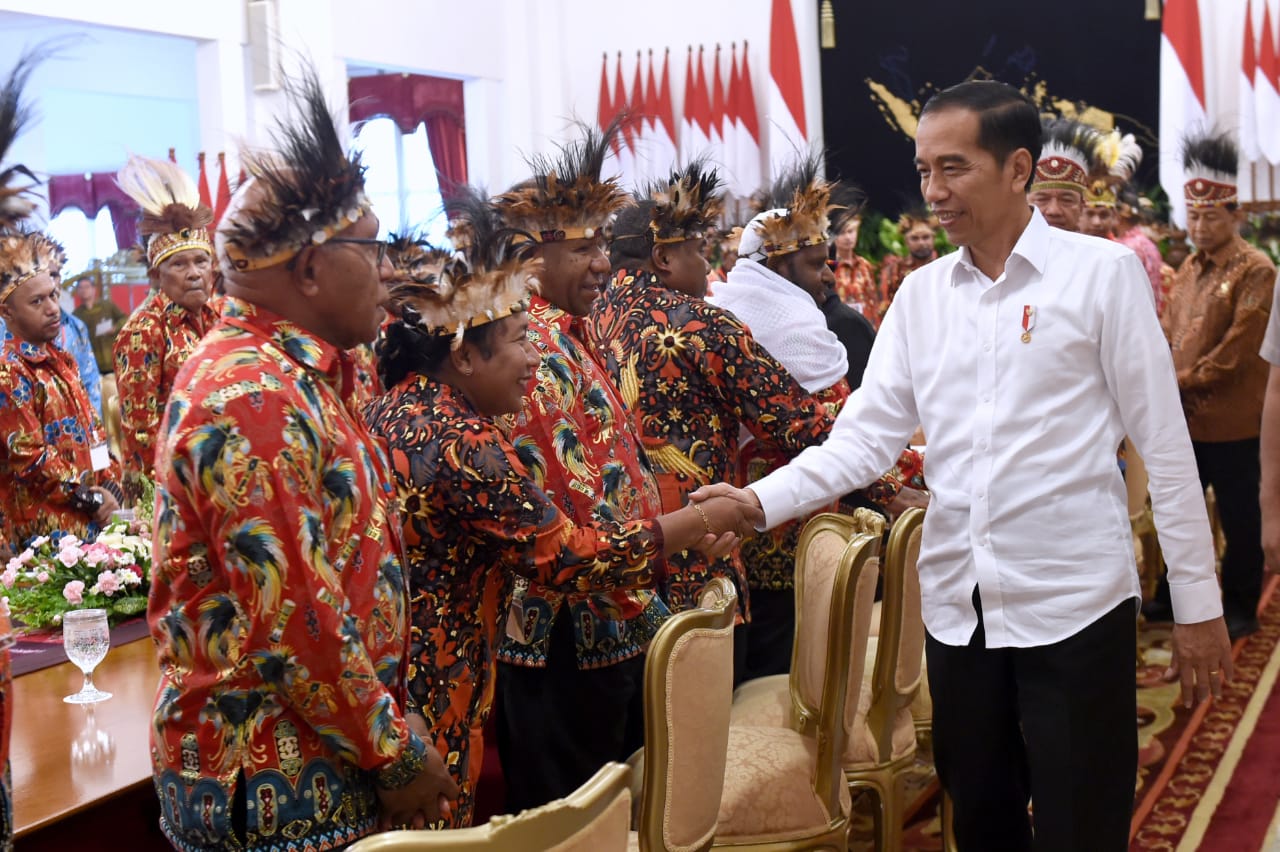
x: 579, y: 445
x: 278, y: 604
x: 149, y: 351
x: 856, y: 287
x: 472, y: 519
x: 695, y: 376
x: 49, y: 430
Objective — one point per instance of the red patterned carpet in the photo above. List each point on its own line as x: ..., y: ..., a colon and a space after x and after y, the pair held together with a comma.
x: 1208, y: 778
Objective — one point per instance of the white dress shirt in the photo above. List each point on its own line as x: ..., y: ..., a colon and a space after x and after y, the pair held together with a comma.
x: 1028, y: 502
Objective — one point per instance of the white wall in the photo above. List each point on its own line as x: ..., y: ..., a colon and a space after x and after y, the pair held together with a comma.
x: 528, y: 66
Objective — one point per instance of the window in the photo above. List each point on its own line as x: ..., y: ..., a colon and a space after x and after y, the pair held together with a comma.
x: 401, y: 179
x: 83, y: 239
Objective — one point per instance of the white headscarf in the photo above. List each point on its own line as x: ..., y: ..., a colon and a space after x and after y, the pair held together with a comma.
x: 785, y: 320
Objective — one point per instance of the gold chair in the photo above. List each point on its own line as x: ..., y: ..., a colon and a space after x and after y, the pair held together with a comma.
x: 784, y: 784
x: 688, y: 686
x: 593, y: 818
x: 884, y: 676
x: 883, y: 743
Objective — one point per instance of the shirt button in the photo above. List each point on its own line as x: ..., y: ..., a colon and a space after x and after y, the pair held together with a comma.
x: 982, y: 445
x: 986, y: 348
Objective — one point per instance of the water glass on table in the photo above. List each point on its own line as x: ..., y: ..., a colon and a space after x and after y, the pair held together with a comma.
x: 86, y: 638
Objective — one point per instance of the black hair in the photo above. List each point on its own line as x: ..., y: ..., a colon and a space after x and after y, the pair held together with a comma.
x: 1007, y: 118
x: 1218, y: 151
x: 632, y: 243
x: 404, y: 349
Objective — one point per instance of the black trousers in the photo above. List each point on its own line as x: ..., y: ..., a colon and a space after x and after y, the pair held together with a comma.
x: 771, y: 634
x: 1054, y: 725
x: 1233, y: 469
x: 558, y: 725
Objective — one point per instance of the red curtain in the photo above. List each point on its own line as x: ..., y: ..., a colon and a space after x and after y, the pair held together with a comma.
x: 410, y: 100
x: 89, y: 193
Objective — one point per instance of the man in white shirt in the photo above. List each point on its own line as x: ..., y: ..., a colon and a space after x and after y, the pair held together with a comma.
x: 1026, y: 357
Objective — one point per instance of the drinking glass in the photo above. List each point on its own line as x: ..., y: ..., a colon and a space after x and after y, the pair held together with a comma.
x: 85, y: 638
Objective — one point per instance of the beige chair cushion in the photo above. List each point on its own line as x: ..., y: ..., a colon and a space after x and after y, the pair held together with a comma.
x: 633, y: 842
x: 922, y: 704
x: 768, y: 787
x: 766, y: 705
x: 860, y: 750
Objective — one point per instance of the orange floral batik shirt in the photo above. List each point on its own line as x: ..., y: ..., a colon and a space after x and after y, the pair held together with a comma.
x: 578, y: 444
x: 49, y: 430
x: 474, y: 519
x: 278, y: 604
x: 695, y: 377
x: 149, y: 351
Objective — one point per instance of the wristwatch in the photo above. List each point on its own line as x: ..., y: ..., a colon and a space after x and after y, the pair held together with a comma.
x: 86, y: 500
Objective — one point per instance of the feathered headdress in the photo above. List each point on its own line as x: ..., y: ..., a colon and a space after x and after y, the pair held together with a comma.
x: 686, y: 205
x: 800, y: 216
x: 491, y: 279
x: 1068, y: 151
x: 173, y: 219
x: 300, y: 195
x: 1210, y: 162
x: 23, y: 254
x: 1117, y: 160
x: 566, y: 199
x: 916, y: 216
x: 414, y: 258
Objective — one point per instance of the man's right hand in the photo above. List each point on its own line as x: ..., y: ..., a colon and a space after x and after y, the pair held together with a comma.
x: 1271, y: 538
x: 423, y: 800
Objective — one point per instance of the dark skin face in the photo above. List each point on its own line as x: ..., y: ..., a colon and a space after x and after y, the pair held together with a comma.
x: 32, y: 312
x: 807, y: 269
x: 920, y: 241
x: 683, y: 266
x: 574, y: 273
x: 495, y: 383
x: 346, y: 284
x: 186, y: 278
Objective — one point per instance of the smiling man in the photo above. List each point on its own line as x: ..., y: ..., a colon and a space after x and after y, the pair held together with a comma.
x: 154, y: 343
x: 1068, y: 151
x: 1026, y: 356
x: 278, y: 606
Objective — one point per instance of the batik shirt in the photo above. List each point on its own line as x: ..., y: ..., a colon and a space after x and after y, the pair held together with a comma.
x: 473, y: 518
x: 278, y: 603
x: 49, y: 430
x: 6, y: 725
x: 856, y: 287
x: 1215, y: 320
x: 579, y: 445
x: 893, y: 271
x: 149, y: 352
x: 694, y: 376
x: 73, y: 338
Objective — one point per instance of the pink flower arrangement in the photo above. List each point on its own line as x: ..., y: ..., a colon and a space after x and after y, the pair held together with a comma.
x: 49, y: 578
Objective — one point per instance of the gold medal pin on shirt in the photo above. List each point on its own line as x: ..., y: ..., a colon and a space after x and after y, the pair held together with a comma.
x: 1028, y: 322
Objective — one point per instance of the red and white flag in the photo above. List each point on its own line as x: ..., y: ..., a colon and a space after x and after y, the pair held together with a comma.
x: 732, y: 124
x: 604, y: 103
x: 694, y: 141
x: 749, y: 173
x: 717, y: 134
x: 224, y: 189
x: 633, y: 130
x: 1248, y: 68
x: 662, y: 148
x: 1266, y: 85
x: 664, y: 122
x: 621, y: 106
x: 788, y: 130
x: 202, y: 183
x: 1182, y: 103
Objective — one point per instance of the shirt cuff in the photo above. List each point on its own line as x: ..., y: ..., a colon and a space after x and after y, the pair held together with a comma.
x: 1196, y: 602
x: 772, y: 501
x: 401, y: 771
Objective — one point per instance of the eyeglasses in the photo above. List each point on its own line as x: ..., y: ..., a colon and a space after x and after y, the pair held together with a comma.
x: 364, y: 241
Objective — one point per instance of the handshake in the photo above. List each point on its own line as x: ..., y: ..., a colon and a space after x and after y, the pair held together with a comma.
x: 728, y: 515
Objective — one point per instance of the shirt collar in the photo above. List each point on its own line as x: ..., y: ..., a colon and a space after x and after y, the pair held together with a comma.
x: 1222, y: 256
x: 1032, y: 246
x: 36, y: 353
x: 548, y: 314
x: 299, y: 344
